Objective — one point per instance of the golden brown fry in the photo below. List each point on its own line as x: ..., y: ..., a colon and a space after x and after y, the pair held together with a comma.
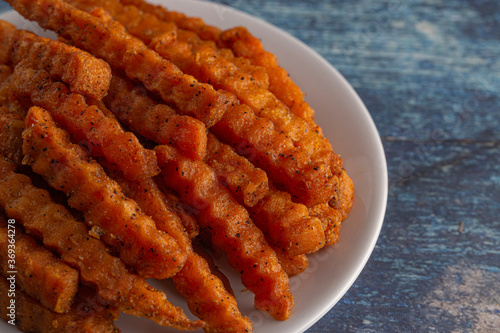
x: 53, y: 224
x: 37, y: 271
x: 111, y: 214
x: 109, y: 41
x: 247, y: 183
x: 287, y: 225
x: 83, y: 73
x: 157, y: 122
x: 230, y: 228
x: 204, y: 292
x: 31, y: 316
x: 344, y: 197
x: 292, y: 265
x: 331, y: 220
x: 11, y: 129
x: 86, y: 124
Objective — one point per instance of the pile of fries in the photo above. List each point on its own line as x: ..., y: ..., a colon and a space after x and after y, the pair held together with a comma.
x: 136, y: 142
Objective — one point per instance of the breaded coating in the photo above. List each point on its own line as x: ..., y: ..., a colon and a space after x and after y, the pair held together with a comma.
x: 203, y: 61
x: 182, y: 211
x: 331, y: 220
x: 87, y: 125
x: 31, y: 316
x: 157, y: 122
x: 112, y: 216
x: 230, y: 228
x: 244, y: 44
x: 344, y: 197
x: 11, y: 129
x: 38, y: 272
x: 204, y: 292
x: 247, y: 183
x: 287, y: 225
x: 292, y: 265
x: 286, y: 165
x: 83, y: 73
x: 108, y: 40
x: 53, y: 224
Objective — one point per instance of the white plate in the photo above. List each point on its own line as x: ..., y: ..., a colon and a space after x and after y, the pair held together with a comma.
x: 349, y: 126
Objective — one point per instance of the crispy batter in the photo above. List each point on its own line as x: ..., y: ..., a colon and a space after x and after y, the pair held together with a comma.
x: 230, y: 228
x: 59, y: 231
x: 39, y: 273
x: 204, y: 62
x: 247, y: 183
x: 107, y: 210
x: 157, y: 122
x: 31, y: 316
x: 83, y: 73
x: 331, y: 220
x: 292, y: 265
x: 182, y: 211
x: 287, y: 166
x: 287, y: 225
x: 87, y: 124
x: 204, y: 292
x: 344, y: 197
x: 108, y: 40
x: 11, y: 129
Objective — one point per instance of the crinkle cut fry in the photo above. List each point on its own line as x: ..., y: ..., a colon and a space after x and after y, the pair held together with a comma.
x: 106, y: 209
x: 230, y: 228
x: 59, y: 231
x: 205, y: 32
x: 158, y: 122
x: 86, y: 124
x: 204, y: 61
x: 31, y: 316
x: 292, y: 265
x: 204, y: 292
x: 108, y: 40
x: 39, y: 273
x: 11, y: 129
x: 83, y: 73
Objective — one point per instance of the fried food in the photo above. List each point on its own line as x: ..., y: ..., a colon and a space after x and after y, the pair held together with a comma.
x: 38, y: 272
x: 108, y: 40
x: 204, y: 292
x: 112, y: 216
x: 230, y: 229
x: 344, y: 197
x: 86, y: 124
x: 11, y: 129
x: 83, y: 73
x: 31, y: 316
x: 53, y: 224
x: 292, y: 265
x: 130, y: 103
x: 331, y: 220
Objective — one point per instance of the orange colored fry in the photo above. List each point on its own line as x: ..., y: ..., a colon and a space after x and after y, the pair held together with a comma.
x: 83, y: 73
x: 292, y: 265
x: 87, y: 124
x: 35, y: 210
x: 111, y: 214
x: 331, y: 220
x: 230, y: 228
x: 344, y: 197
x: 31, y: 316
x: 109, y: 41
x: 38, y: 272
x: 11, y: 129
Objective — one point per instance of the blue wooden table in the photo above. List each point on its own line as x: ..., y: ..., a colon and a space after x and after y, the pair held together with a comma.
x: 429, y: 73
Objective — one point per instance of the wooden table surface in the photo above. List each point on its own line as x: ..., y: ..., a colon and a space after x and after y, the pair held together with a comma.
x: 429, y: 73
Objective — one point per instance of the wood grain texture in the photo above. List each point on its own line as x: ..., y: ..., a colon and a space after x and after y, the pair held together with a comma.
x: 428, y: 72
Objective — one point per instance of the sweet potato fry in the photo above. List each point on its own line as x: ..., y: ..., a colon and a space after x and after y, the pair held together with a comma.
x: 111, y: 214
x: 292, y: 265
x: 86, y: 124
x: 157, y: 122
x: 204, y: 292
x: 331, y: 220
x: 344, y: 197
x: 83, y: 73
x: 108, y: 40
x: 38, y: 272
x: 59, y: 231
x: 230, y: 228
x: 31, y: 316
x: 11, y: 129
